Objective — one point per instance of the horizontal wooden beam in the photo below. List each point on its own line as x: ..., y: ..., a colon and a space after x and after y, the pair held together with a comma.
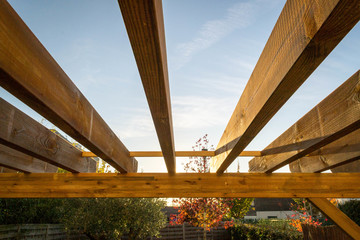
x: 305, y: 33
x: 29, y: 72
x: 21, y: 132
x: 277, y: 185
x: 144, y: 23
x: 333, y: 118
x: 19, y: 161
x: 337, y: 217
x: 338, y: 153
x: 179, y: 154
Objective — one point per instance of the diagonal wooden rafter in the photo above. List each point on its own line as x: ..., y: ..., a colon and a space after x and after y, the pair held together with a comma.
x: 29, y: 72
x: 335, y: 117
x: 305, y: 33
x: 338, y: 153
x: 283, y: 185
x: 145, y: 27
x: 21, y: 132
x: 19, y: 161
x: 337, y: 216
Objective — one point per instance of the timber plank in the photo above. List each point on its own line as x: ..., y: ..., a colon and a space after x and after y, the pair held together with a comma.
x: 283, y: 185
x: 305, y: 33
x: 29, y: 72
x: 144, y: 23
x: 21, y: 132
x: 338, y: 153
x: 179, y: 154
x: 337, y: 216
x: 18, y: 161
x: 334, y: 117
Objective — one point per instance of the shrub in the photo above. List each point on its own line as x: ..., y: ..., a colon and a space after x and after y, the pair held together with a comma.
x: 352, y: 210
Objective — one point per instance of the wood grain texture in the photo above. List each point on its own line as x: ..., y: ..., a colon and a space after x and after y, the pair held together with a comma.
x: 29, y: 72
x: 337, y: 217
x: 19, y: 161
x: 21, y: 132
x: 145, y: 27
x: 341, y: 152
x: 305, y: 33
x: 179, y: 154
x: 279, y: 185
x: 334, y: 117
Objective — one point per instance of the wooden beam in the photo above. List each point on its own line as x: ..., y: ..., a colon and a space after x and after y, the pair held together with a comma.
x: 144, y: 23
x: 338, y: 153
x: 19, y: 161
x: 21, y: 132
x: 337, y: 216
x: 305, y: 33
x: 29, y: 72
x: 7, y: 170
x: 279, y: 185
x: 335, y: 117
x: 179, y: 154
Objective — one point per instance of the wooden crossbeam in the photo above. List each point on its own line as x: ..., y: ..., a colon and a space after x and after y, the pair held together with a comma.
x: 19, y: 161
x: 21, y: 132
x: 338, y: 153
x: 305, y: 33
x: 179, y: 154
x: 336, y: 116
x: 7, y: 170
x: 279, y: 185
x: 337, y: 216
x: 29, y: 72
x: 144, y: 23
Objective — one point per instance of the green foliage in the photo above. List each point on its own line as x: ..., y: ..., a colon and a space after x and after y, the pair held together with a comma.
x: 352, y: 210
x: 26, y: 211
x: 265, y: 229
x: 240, y: 206
x: 110, y: 218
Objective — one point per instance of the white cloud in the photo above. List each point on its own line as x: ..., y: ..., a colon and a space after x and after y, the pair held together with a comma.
x: 192, y: 112
x: 238, y: 16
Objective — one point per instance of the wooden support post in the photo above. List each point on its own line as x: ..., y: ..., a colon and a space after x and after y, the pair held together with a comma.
x: 144, y: 23
x: 337, y: 216
x: 19, y: 161
x: 29, y: 72
x: 305, y: 33
x: 276, y: 185
x: 20, y: 132
x: 333, y: 118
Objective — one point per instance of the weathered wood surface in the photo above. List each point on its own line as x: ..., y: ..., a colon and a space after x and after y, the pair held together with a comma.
x: 21, y: 132
x: 7, y: 170
x: 144, y: 23
x: 334, y: 117
x: 19, y: 161
x: 283, y: 185
x: 338, y: 153
x: 29, y: 72
x: 179, y: 154
x: 337, y: 216
x: 305, y: 33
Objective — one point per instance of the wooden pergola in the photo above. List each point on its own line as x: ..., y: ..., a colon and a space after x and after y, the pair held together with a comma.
x: 327, y: 137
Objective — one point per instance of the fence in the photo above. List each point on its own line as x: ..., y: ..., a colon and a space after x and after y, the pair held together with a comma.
x: 37, y: 231
x: 312, y: 232
x: 188, y: 232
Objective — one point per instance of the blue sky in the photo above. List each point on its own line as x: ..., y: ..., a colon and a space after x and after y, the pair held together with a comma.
x: 212, y: 48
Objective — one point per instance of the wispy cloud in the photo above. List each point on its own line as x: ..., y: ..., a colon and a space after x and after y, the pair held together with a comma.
x: 236, y: 17
x: 193, y: 112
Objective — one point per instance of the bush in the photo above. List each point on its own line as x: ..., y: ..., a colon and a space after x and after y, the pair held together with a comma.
x: 265, y: 229
x: 352, y: 210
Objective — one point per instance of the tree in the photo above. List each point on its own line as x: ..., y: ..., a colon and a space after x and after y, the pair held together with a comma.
x: 204, y: 212
x: 110, y: 218
x: 240, y: 206
x: 351, y: 209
